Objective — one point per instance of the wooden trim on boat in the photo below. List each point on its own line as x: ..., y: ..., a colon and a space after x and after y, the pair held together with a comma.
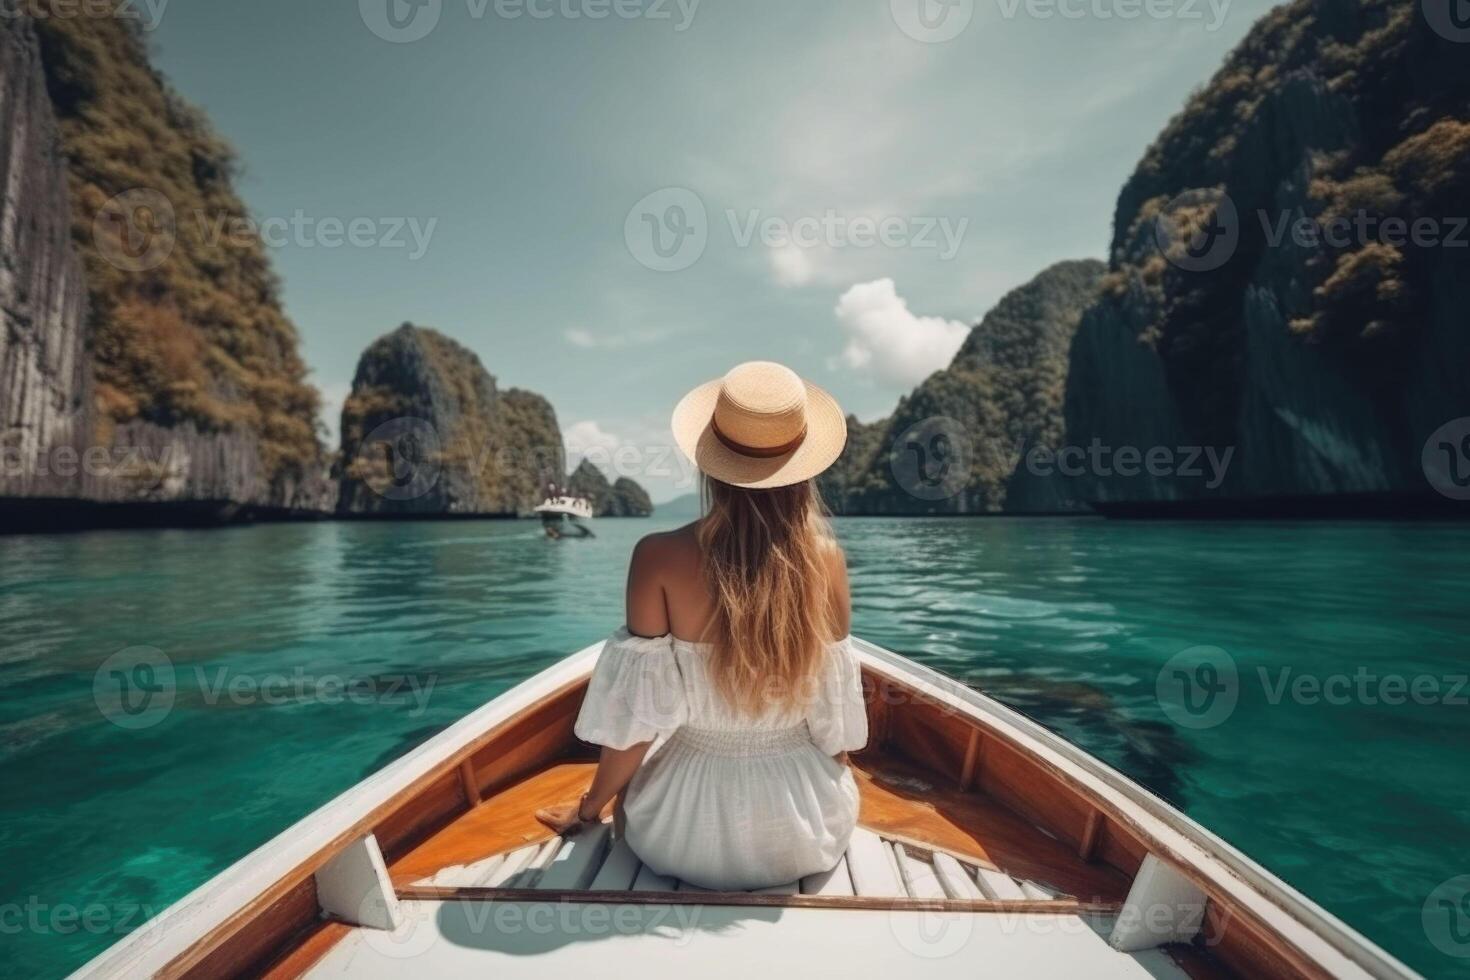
x: 1299, y: 938
x: 431, y: 893
x: 264, y: 906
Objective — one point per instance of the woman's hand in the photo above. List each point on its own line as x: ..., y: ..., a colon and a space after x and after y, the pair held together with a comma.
x: 565, y: 819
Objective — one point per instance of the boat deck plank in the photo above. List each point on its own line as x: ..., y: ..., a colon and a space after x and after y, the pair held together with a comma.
x: 838, y: 881
x: 618, y: 870
x: 501, y: 823
x: 906, y: 802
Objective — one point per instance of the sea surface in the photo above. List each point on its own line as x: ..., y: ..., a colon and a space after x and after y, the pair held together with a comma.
x: 173, y: 699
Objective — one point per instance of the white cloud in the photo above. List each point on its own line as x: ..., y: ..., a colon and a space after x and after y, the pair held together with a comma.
x: 888, y: 340
x: 791, y: 265
x: 588, y: 438
x: 581, y: 338
x: 334, y: 395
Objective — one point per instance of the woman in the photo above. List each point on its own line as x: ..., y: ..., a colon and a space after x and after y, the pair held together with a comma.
x: 727, y: 705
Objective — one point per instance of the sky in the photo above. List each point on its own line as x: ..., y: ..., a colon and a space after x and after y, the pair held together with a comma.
x: 611, y: 201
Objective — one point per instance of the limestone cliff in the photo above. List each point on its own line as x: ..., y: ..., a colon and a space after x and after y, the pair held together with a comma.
x: 954, y: 445
x: 143, y: 361
x: 44, y: 376
x: 426, y: 432
x: 1323, y: 364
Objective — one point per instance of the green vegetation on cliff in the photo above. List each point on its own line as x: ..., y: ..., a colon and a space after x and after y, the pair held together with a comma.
x: 199, y: 337
x: 492, y: 452
x: 1003, y: 392
x: 1335, y: 111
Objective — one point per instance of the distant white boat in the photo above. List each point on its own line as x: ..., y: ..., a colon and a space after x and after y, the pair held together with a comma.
x: 987, y: 846
x: 562, y: 516
x: 578, y: 508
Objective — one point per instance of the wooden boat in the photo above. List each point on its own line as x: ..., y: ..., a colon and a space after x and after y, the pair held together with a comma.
x: 987, y: 845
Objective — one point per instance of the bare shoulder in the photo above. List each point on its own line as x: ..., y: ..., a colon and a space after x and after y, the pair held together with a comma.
x: 659, y: 564
x: 666, y: 551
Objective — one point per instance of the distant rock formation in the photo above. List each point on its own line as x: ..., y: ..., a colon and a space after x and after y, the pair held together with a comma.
x: 142, y: 364
x: 1323, y: 367
x: 954, y: 445
x: 426, y: 432
x: 623, y: 498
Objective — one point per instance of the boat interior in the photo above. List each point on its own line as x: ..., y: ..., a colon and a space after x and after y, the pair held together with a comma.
x: 957, y: 819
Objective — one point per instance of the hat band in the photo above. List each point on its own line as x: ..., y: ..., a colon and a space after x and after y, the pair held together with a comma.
x: 757, y: 452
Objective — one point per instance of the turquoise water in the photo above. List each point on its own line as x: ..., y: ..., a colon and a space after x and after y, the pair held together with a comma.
x: 306, y: 656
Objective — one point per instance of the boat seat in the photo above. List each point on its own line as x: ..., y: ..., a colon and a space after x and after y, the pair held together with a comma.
x: 874, y: 866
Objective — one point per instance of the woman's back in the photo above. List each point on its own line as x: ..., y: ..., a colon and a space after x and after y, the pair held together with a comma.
x: 726, y: 706
x: 669, y: 593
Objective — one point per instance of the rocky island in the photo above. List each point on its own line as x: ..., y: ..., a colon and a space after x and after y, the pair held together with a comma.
x: 148, y: 372
x: 1271, y: 336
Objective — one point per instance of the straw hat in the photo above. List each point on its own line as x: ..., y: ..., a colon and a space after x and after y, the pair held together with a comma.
x: 760, y: 427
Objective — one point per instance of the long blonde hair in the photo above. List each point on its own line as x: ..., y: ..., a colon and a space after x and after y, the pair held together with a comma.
x: 766, y: 559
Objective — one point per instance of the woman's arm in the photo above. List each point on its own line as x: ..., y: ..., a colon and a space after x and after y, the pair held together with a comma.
x: 647, y: 615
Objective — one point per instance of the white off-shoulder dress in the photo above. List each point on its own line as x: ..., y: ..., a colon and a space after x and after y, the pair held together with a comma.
x: 726, y: 801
